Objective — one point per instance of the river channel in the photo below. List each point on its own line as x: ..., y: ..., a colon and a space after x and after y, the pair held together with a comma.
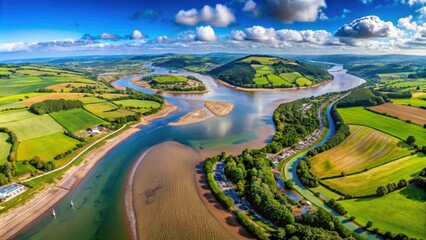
x: 99, y: 211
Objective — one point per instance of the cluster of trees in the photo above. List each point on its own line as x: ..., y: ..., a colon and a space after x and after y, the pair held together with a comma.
x: 44, y: 90
x: 120, y: 121
x: 401, y: 94
x: 361, y: 96
x: 13, y: 139
x: 390, y: 187
x: 236, y: 73
x: 250, y: 226
x: 417, y: 75
x: 84, y: 89
x: 208, y: 169
x: 293, y: 124
x: 68, y: 152
x: 303, y: 172
x: 50, y: 106
x: 72, y: 135
x: 336, y: 207
x: 421, y: 179
x: 7, y: 172
x: 342, y: 132
x: 39, y: 164
x: 251, y: 172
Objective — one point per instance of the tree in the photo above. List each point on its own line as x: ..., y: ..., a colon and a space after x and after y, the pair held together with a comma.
x: 369, y: 224
x: 382, y: 190
x: 411, y: 140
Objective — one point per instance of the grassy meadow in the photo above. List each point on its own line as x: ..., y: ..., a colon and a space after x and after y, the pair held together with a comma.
x: 15, y: 115
x: 418, y: 99
x: 402, y: 211
x: 169, y: 78
x: 5, y: 147
x: 364, y: 148
x: 46, y: 147
x: 76, y: 119
x: 34, y: 127
x: 107, y: 110
x: 367, y: 182
x: 392, y: 126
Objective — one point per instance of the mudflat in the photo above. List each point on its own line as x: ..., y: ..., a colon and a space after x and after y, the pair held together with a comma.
x: 165, y: 197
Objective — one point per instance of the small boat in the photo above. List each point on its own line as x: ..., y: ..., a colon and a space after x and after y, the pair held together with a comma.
x: 71, y: 204
x: 53, y: 213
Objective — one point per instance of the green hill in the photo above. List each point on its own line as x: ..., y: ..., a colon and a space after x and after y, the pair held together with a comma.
x: 256, y: 71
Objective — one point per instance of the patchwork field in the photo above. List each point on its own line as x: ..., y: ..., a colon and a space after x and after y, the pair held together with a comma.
x: 16, y: 115
x: 364, y: 148
x: 106, y: 110
x: 404, y: 210
x: 417, y: 100
x: 406, y: 84
x: 89, y: 100
x: 415, y: 115
x: 303, y: 81
x: 291, y: 77
x: 277, y: 81
x: 5, y: 147
x: 112, y: 96
x: 46, y: 147
x: 66, y: 96
x: 395, y: 127
x: 34, y: 127
x: 261, y: 80
x: 169, y: 78
x: 76, y: 119
x: 67, y: 87
x: 367, y: 182
x: 138, y: 103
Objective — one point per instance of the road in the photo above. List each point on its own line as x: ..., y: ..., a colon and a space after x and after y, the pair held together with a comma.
x: 290, y: 173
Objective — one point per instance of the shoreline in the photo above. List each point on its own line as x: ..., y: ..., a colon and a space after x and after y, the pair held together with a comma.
x: 268, y: 89
x: 15, y: 220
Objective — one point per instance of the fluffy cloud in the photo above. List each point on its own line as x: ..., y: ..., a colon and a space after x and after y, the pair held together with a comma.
x: 109, y: 36
x: 136, y: 34
x: 291, y: 10
x: 412, y: 2
x: 220, y: 16
x: 367, y: 27
x: 251, y: 7
x: 366, y: 1
x: 206, y: 33
x: 277, y: 37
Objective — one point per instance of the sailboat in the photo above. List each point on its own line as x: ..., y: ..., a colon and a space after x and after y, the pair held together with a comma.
x: 53, y: 213
x: 72, y: 203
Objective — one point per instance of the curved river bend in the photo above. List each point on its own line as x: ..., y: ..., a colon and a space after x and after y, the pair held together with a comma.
x: 99, y: 211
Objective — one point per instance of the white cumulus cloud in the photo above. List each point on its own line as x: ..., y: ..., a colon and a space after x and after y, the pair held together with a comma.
x: 294, y: 10
x: 367, y: 27
x: 220, y: 16
x: 206, y: 33
x: 136, y: 34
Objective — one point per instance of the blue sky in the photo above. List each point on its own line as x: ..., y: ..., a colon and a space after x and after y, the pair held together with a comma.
x: 55, y: 28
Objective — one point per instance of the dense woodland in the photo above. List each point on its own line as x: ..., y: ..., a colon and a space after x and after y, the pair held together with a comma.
x: 361, y: 96
x: 50, y: 106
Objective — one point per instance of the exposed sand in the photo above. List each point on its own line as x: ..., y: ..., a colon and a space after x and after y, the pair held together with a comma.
x: 267, y: 89
x: 219, y: 108
x: 193, y: 117
x: 14, y: 220
x: 165, y: 197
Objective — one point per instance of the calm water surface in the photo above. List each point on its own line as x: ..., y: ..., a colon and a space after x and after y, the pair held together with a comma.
x: 98, y: 211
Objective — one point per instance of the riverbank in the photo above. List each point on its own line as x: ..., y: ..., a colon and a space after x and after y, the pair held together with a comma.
x: 165, y: 199
x: 16, y: 219
x: 268, y: 89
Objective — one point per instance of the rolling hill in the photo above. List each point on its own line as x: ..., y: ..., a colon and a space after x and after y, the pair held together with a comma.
x: 258, y: 71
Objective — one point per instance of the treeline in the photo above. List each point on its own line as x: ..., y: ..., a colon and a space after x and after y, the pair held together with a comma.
x: 390, y: 187
x: 420, y: 181
x: 236, y: 73
x: 13, y: 140
x: 342, y: 132
x: 39, y: 164
x: 250, y: 226
x: 251, y: 172
x: 50, y: 106
x: 417, y: 75
x: 402, y: 94
x: 293, y: 123
x: 303, y: 171
x: 336, y: 207
x: 360, y: 97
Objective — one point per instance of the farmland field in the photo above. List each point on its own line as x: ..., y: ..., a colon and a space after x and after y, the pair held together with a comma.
x: 66, y: 87
x: 395, y: 127
x: 88, y: 100
x: 415, y: 115
x: 34, y: 127
x: 404, y: 210
x: 46, y: 147
x: 169, y: 78
x: 103, y: 110
x: 16, y: 115
x: 290, y: 77
x: 4, y: 147
x: 261, y: 80
x: 76, y: 119
x: 277, y: 81
x: 112, y: 96
x: 367, y: 182
x: 364, y: 148
x: 30, y: 101
x: 138, y: 103
x: 417, y: 100
x: 418, y: 82
x: 303, y: 81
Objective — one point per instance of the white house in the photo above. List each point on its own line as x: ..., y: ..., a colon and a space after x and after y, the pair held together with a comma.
x: 10, y: 191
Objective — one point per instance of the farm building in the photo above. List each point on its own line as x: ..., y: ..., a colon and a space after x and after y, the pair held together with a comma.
x: 93, y: 130
x: 11, y: 191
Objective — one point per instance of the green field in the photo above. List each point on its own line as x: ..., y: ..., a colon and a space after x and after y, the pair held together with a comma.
x: 261, y: 80
x: 76, y: 119
x: 277, y: 81
x: 138, y: 103
x: 169, y: 78
x: 395, y: 127
x: 88, y: 100
x: 402, y: 211
x: 367, y: 182
x: 291, y: 77
x: 262, y: 70
x: 364, y: 148
x: 34, y: 127
x: 418, y: 82
x: 46, y: 147
x: 103, y: 110
x: 15, y: 115
x: 17, y: 97
x: 417, y: 100
x: 4, y: 147
x: 303, y: 81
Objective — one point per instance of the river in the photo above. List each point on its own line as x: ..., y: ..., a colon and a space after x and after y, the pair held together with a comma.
x: 99, y: 212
